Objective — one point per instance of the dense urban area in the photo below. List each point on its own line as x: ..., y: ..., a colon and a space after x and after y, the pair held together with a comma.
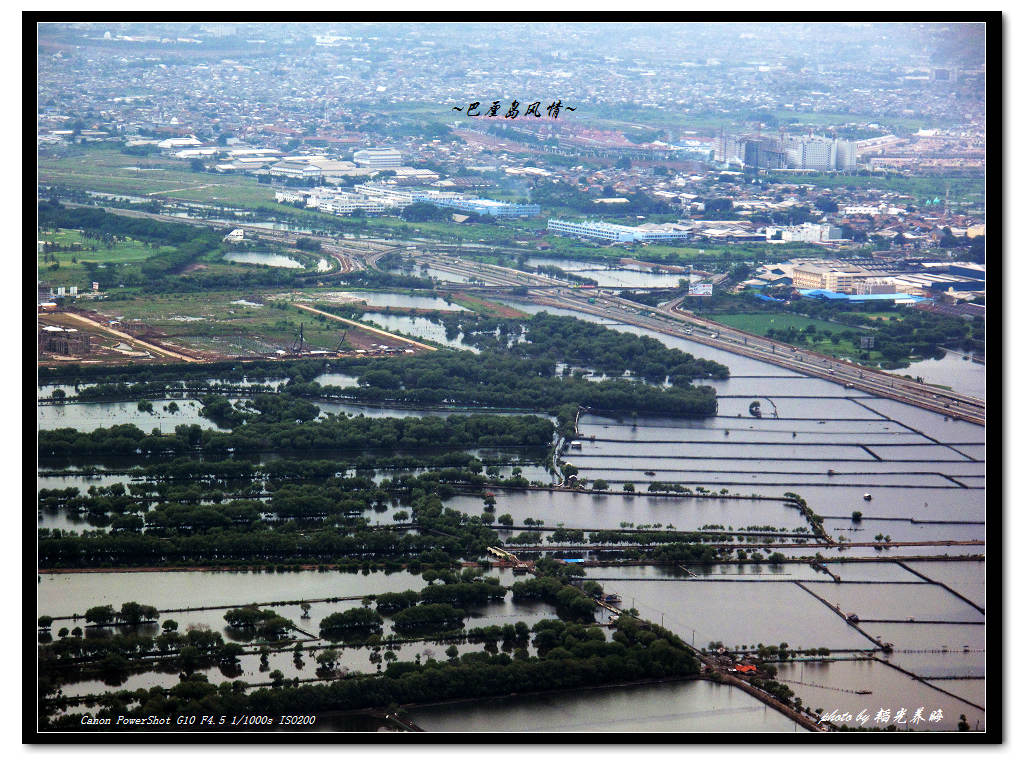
x: 511, y: 377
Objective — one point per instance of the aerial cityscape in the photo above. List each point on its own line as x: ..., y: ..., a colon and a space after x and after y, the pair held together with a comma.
x: 512, y: 378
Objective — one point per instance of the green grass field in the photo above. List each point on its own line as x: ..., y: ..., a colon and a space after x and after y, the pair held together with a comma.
x: 761, y: 323
x: 108, y: 170
x: 962, y: 191
x: 66, y: 266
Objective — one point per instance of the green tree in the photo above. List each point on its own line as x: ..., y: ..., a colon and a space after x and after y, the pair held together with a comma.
x: 358, y: 620
x: 327, y: 659
x: 134, y: 613
x: 100, y: 615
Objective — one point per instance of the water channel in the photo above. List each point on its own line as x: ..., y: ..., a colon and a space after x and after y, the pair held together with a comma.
x: 910, y: 474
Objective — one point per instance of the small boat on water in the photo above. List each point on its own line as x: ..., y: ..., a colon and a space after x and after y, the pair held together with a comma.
x: 612, y: 598
x: 867, y: 496
x: 648, y: 473
x: 863, y: 691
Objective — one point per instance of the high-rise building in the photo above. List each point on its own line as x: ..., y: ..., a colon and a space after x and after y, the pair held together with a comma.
x: 846, y: 155
x: 788, y: 151
x: 763, y: 153
x: 810, y: 152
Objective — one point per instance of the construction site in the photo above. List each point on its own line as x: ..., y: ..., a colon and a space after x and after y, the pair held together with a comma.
x: 287, y: 331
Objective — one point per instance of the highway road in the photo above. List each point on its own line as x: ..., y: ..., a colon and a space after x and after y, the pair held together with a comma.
x: 672, y: 321
x: 353, y: 255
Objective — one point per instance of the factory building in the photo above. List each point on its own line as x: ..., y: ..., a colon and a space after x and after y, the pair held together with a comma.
x: 613, y: 232
x: 378, y: 157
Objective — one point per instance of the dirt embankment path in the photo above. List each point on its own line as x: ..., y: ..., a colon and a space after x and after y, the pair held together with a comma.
x: 79, y: 318
x: 367, y: 328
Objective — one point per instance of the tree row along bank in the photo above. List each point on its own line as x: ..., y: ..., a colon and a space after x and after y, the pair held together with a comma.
x: 518, y: 376
x: 570, y: 655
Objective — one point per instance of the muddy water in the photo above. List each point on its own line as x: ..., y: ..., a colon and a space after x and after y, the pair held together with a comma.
x: 264, y: 259
x: 680, y: 706
x: 965, y: 577
x: 952, y: 370
x: 66, y: 593
x: 402, y: 300
x: 88, y: 416
x: 903, y: 601
x: 890, y: 689
x: 610, y: 575
x: 608, y: 511
x: 930, y: 458
x: 419, y: 327
x: 738, y: 613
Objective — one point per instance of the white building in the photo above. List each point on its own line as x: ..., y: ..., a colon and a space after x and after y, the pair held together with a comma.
x: 614, y: 232
x: 810, y: 152
x: 378, y: 157
x: 344, y: 203
x: 179, y: 143
x: 396, y: 196
x: 805, y: 232
x: 295, y: 169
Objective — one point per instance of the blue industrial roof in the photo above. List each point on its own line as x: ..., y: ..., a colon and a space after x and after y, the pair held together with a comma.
x: 763, y: 297
x: 886, y: 297
x: 826, y: 294
x: 832, y: 296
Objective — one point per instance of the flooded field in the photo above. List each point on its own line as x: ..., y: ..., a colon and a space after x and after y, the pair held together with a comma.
x: 911, y: 475
x: 88, y: 416
x: 866, y: 530
x: 681, y: 706
x: 608, y: 511
x: 397, y: 300
x: 962, y: 375
x: 606, y: 275
x: 739, y: 613
x: 971, y: 689
x: 749, y: 571
x: 419, y: 327
x: 65, y: 593
x: 965, y: 577
x: 264, y: 259
x: 903, y: 601
x: 890, y: 689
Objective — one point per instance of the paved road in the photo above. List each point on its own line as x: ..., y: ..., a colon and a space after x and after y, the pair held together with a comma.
x: 704, y: 331
x: 670, y: 320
